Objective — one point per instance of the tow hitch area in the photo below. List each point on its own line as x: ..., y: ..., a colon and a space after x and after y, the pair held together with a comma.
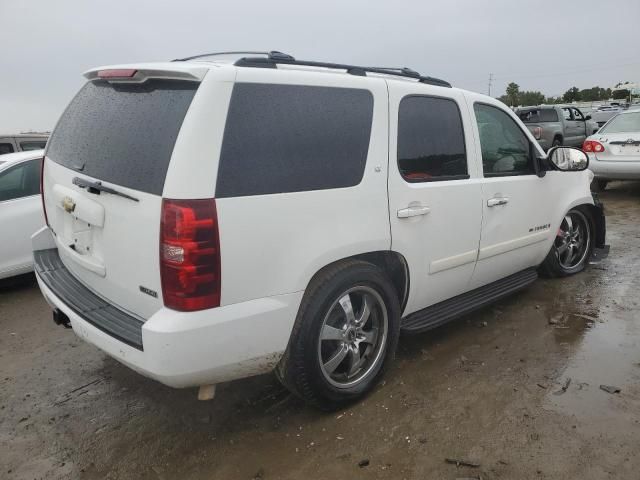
x: 599, y: 254
x: 60, y: 318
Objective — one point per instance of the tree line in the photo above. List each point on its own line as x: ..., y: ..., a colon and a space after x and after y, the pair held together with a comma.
x: 514, y: 97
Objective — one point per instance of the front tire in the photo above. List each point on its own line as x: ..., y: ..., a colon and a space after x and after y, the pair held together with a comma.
x: 572, y: 246
x: 345, y: 334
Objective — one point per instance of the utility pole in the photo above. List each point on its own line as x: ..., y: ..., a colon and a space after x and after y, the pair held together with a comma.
x: 490, y: 81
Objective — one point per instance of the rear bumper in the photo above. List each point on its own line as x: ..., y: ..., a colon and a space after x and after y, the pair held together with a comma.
x: 197, y: 348
x: 618, y: 170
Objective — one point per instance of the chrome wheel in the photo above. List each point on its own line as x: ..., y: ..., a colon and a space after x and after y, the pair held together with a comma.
x: 573, y: 240
x: 353, y: 336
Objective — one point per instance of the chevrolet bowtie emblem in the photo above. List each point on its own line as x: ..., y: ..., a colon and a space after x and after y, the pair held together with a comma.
x: 68, y: 204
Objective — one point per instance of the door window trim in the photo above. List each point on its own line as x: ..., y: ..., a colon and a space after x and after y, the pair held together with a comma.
x: 532, y: 158
x: 443, y: 178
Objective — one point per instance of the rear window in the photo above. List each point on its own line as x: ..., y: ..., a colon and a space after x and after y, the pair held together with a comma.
x: 5, y: 148
x: 292, y: 138
x: 123, y: 133
x: 35, y: 145
x: 623, y: 123
x: 538, y: 115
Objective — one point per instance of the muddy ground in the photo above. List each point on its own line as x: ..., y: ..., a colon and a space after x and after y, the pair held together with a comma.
x: 487, y: 389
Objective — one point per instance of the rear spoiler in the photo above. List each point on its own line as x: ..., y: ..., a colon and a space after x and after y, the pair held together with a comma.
x: 141, y: 75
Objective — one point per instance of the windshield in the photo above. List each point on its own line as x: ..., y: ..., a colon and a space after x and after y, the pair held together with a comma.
x: 538, y: 115
x: 625, y: 123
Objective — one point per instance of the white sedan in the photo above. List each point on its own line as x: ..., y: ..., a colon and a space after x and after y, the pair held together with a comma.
x: 614, y: 151
x: 20, y: 210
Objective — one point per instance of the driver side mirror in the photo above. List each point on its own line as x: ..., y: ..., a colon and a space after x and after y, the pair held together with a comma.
x: 588, y: 117
x: 568, y: 159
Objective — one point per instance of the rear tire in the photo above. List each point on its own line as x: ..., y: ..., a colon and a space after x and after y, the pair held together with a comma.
x: 345, y: 334
x: 572, y: 246
x: 557, y: 141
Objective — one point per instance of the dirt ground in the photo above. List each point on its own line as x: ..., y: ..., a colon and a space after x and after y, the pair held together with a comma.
x: 487, y: 389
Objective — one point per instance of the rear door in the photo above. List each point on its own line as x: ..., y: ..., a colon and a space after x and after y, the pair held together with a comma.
x: 434, y: 193
x: 581, y: 125
x: 118, y: 135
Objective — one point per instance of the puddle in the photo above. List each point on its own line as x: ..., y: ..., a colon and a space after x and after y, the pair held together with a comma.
x: 608, y: 353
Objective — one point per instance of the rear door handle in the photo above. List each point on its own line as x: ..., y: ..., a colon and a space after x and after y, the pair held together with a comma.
x: 413, y: 211
x: 495, y: 201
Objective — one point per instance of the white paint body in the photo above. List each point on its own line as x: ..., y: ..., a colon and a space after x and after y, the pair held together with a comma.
x: 19, y: 219
x: 272, y: 245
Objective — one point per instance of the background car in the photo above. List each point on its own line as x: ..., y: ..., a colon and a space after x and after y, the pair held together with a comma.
x: 22, y: 142
x: 614, y: 151
x: 604, y: 113
x: 554, y: 125
x: 20, y: 210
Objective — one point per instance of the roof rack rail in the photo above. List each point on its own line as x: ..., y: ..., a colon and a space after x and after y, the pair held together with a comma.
x: 272, y: 54
x: 272, y: 59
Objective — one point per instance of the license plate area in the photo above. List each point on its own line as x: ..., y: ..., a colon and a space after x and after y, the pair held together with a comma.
x: 82, y: 235
x: 79, y: 222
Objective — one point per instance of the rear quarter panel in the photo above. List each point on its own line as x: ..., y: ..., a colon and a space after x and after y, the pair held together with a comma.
x: 273, y: 244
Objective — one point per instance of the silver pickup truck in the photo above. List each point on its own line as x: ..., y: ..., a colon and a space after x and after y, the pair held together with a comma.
x: 554, y: 125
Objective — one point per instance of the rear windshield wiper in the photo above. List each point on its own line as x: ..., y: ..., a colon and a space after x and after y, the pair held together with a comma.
x: 97, y: 187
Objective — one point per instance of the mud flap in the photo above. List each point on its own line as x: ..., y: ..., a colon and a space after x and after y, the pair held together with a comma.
x: 599, y: 254
x: 600, y: 223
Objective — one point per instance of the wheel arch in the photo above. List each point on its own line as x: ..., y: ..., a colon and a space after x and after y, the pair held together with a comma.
x: 595, y: 210
x: 392, y: 263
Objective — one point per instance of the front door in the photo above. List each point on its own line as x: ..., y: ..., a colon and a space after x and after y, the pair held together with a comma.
x: 581, y: 127
x: 518, y: 206
x: 434, y: 193
x: 572, y: 129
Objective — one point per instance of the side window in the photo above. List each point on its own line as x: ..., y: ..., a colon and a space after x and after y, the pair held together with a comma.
x: 6, y: 148
x: 20, y: 181
x: 28, y: 146
x: 505, y: 148
x: 566, y: 112
x: 430, y: 140
x: 577, y: 114
x: 293, y: 138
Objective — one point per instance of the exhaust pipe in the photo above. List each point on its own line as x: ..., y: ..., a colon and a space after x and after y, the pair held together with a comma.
x: 60, y: 318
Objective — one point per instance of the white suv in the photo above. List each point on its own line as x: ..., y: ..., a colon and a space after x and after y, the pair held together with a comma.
x: 211, y: 219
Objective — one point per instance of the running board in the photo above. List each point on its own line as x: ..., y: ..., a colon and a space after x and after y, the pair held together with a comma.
x: 443, y: 312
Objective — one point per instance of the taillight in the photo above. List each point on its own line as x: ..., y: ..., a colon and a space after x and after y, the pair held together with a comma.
x: 190, y: 254
x: 117, y: 73
x: 592, y: 146
x: 537, y: 133
x: 44, y: 209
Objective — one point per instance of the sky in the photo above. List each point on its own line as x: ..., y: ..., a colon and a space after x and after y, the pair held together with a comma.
x: 541, y: 45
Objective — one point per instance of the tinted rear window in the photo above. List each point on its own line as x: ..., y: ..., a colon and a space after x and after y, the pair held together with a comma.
x: 121, y: 133
x: 539, y: 115
x: 292, y: 138
x: 430, y: 140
